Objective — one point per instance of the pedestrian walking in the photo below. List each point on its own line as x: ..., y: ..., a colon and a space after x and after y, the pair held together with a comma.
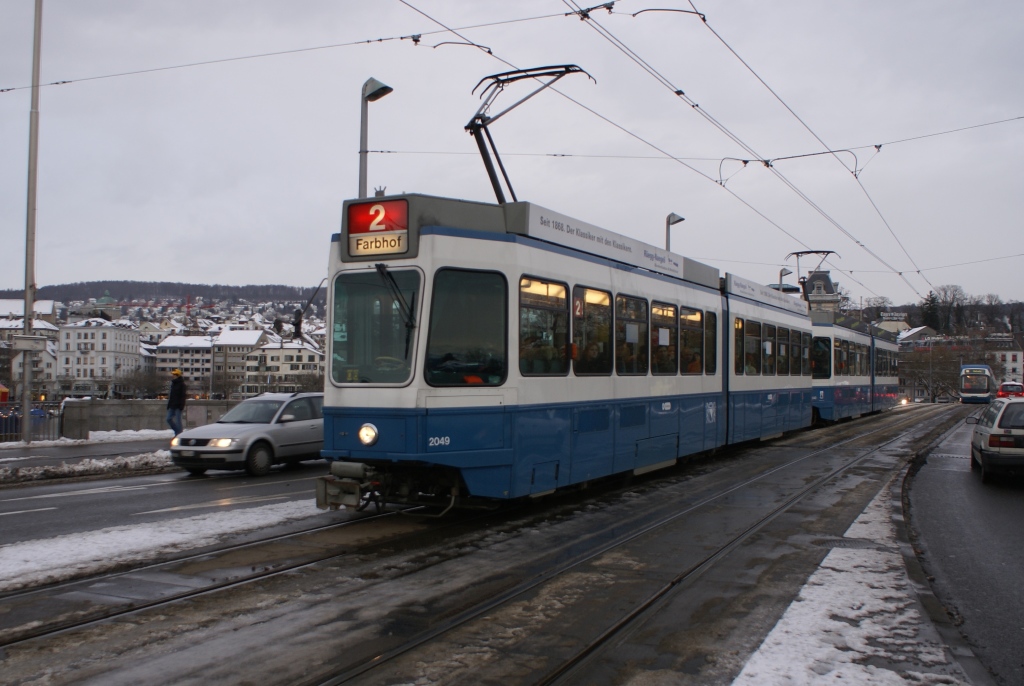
x: 176, y: 401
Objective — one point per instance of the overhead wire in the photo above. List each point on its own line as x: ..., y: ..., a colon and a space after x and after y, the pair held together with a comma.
x: 803, y: 123
x: 641, y: 139
x: 632, y: 55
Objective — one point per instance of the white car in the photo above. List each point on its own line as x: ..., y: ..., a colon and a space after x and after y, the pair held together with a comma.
x: 997, y: 444
x: 255, y: 435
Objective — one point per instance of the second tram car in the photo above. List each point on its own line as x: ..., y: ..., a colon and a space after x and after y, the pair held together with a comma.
x: 977, y: 383
x: 484, y: 352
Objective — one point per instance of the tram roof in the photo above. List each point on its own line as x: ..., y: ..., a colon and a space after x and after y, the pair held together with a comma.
x: 534, y: 221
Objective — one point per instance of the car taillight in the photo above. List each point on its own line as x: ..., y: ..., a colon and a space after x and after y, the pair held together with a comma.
x: 996, y: 441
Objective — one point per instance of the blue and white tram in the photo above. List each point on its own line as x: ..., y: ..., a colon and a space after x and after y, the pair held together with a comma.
x: 885, y: 382
x: 482, y: 352
x: 841, y: 361
x: 769, y: 382
x: 977, y: 383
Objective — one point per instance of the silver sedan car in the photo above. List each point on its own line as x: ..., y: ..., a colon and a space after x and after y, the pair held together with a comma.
x: 254, y: 435
x: 997, y: 444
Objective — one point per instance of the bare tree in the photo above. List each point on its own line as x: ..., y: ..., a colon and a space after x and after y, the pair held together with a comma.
x: 949, y: 297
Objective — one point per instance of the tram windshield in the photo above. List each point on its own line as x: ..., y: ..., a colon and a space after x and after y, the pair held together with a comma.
x: 974, y: 383
x: 374, y: 321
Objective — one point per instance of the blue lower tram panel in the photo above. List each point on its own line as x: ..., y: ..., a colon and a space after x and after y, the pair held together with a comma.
x: 841, y: 402
x: 510, y: 452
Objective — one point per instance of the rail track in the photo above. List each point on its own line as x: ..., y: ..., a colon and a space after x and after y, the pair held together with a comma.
x: 386, y: 636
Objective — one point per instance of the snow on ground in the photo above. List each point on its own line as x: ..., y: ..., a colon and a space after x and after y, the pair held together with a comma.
x: 95, y: 437
x: 161, y: 459
x: 858, y: 611
x: 48, y: 560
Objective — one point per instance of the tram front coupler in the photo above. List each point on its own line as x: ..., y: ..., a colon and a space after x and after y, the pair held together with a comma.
x: 349, y: 483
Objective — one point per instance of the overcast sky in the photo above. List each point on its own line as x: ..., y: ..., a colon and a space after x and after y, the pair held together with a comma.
x: 234, y: 172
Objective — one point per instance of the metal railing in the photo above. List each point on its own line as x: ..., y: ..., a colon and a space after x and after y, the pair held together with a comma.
x: 45, y: 421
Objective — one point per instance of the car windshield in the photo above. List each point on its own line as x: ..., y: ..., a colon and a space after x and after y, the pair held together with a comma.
x: 252, y: 412
x: 1013, y: 417
x: 1013, y: 387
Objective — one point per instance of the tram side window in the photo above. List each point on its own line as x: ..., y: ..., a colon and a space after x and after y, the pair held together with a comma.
x: 630, y: 335
x: 864, y: 357
x: 710, y: 343
x: 691, y: 323
x: 843, y: 365
x: 592, y: 330
x: 664, y: 339
x: 821, y: 358
x: 805, y: 355
x: 468, y: 334
x: 782, y: 361
x: 794, y: 352
x: 737, y: 347
x: 768, y: 350
x: 752, y: 348
x: 543, y: 327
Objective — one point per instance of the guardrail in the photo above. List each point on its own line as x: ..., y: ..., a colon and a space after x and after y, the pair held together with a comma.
x: 45, y: 420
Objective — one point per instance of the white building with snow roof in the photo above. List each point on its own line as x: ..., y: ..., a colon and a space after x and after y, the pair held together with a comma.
x: 93, y: 356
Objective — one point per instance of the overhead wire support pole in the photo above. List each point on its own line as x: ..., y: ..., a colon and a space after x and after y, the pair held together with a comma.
x: 30, y: 230
x: 478, y: 125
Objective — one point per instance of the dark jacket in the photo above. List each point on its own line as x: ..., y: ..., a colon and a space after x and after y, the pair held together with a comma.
x: 176, y: 399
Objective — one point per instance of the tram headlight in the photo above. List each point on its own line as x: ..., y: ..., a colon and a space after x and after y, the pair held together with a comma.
x: 367, y: 434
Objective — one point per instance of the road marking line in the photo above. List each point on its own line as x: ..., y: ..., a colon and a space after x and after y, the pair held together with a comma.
x: 41, y: 509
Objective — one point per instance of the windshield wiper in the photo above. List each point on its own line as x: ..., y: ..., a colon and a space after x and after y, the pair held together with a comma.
x: 403, y: 306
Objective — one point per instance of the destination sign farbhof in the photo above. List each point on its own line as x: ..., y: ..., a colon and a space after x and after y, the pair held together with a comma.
x: 378, y: 228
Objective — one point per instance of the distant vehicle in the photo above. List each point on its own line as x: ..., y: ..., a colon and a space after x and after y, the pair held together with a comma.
x: 997, y: 445
x: 255, y: 435
x: 977, y: 383
x: 1010, y: 389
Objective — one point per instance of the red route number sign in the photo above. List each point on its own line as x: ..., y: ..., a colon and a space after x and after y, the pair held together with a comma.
x: 378, y: 228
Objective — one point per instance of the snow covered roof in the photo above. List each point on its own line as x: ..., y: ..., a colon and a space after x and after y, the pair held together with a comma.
x: 249, y: 337
x: 19, y: 324
x: 100, y: 322
x: 185, y: 342
x: 910, y: 332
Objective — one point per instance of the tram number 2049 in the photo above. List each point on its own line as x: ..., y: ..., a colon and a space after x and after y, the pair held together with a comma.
x: 435, y: 441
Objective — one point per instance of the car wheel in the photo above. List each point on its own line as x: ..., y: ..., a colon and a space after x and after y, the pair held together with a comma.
x: 986, y: 474
x: 974, y: 461
x: 196, y: 471
x: 259, y: 459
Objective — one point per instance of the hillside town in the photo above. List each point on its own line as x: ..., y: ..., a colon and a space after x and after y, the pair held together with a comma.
x: 102, y: 348
x: 234, y: 349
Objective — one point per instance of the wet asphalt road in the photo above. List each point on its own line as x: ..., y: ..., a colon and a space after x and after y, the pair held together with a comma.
x: 972, y: 542
x: 42, y: 456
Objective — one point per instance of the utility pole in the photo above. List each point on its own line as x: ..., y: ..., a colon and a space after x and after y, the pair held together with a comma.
x: 27, y: 356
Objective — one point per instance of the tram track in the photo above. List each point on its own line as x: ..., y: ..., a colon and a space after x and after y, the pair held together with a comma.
x: 403, y: 559
x: 50, y: 610
x: 377, y: 668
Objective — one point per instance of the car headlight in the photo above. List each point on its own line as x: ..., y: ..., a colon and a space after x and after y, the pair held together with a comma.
x: 221, y: 442
x: 174, y: 441
x: 367, y: 434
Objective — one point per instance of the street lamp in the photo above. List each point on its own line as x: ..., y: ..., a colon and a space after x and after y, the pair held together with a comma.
x: 783, y: 272
x: 372, y: 90
x: 669, y: 221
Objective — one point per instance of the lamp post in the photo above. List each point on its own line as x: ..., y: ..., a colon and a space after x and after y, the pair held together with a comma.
x: 372, y: 90
x: 669, y: 221
x: 783, y: 272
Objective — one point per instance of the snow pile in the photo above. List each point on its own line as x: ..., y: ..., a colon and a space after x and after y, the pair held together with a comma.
x: 96, y: 437
x: 857, y: 612
x: 45, y: 561
x: 146, y: 462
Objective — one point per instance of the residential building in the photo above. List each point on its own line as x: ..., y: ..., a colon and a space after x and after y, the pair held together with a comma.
x: 94, y: 355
